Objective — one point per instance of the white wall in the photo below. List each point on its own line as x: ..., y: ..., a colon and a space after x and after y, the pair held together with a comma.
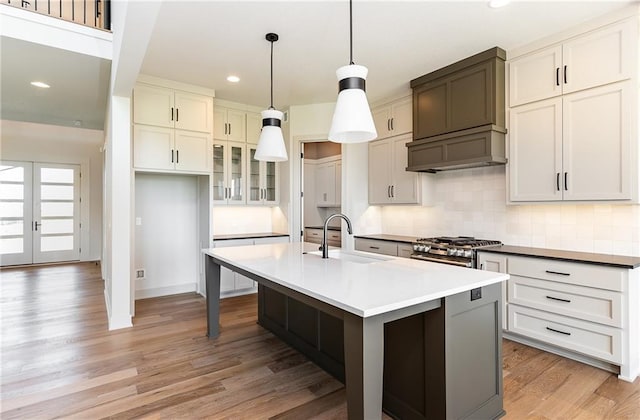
x: 54, y: 144
x: 472, y: 202
x: 166, y: 234
x: 242, y: 219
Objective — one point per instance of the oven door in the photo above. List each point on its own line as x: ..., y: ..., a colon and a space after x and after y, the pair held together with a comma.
x: 444, y: 259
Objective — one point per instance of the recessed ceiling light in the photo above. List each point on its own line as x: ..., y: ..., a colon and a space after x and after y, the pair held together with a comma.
x: 233, y: 79
x: 40, y: 85
x: 498, y: 3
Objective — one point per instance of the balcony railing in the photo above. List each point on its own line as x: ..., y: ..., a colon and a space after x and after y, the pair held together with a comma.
x: 94, y: 13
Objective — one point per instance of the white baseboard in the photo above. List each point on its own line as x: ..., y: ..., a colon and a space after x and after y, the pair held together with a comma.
x: 116, y: 323
x: 165, y: 291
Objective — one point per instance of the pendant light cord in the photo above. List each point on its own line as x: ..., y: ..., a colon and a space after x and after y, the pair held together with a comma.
x: 350, y: 31
x: 271, y: 107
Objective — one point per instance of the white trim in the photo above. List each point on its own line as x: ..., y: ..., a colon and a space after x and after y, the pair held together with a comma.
x: 157, y: 81
x: 117, y: 323
x: 241, y: 107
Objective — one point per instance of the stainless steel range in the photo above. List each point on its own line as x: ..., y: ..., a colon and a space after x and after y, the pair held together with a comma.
x: 460, y: 250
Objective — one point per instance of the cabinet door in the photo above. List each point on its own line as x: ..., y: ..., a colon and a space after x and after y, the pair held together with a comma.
x: 535, y: 151
x: 379, y: 172
x: 254, y: 127
x: 338, y: 184
x: 597, y: 144
x: 153, y: 147
x: 219, y: 172
x: 153, y: 106
x: 470, y: 98
x: 193, y: 112
x: 192, y: 151
x: 599, y: 57
x: 270, y: 196
x: 536, y: 76
x: 431, y: 116
x: 325, y: 184
x: 497, y: 263
x: 404, y: 188
x: 382, y: 120
x: 236, y: 125
x: 235, y: 176
x: 219, y: 123
x: 254, y: 181
x: 401, y: 116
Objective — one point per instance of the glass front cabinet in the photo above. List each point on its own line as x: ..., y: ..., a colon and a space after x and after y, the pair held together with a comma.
x: 229, y: 170
x: 262, y: 180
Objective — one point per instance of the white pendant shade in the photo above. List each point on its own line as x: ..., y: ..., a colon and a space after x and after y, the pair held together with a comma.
x: 352, y: 120
x: 271, y: 146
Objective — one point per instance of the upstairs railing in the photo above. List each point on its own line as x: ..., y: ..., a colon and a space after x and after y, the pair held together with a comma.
x: 94, y: 13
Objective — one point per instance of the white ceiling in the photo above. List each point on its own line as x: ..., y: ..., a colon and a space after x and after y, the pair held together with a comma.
x: 202, y: 42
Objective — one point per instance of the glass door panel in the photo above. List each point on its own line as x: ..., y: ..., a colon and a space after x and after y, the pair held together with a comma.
x: 270, y: 181
x: 218, y: 173
x: 15, y: 212
x: 237, y: 177
x: 56, y: 235
x: 254, y: 177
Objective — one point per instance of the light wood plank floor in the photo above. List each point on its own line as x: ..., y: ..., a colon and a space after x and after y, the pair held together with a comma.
x: 59, y: 360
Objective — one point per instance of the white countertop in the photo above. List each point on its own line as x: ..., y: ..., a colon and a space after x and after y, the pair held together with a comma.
x: 364, y: 289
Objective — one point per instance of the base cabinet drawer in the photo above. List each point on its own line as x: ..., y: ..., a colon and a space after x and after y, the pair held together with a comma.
x: 313, y: 235
x: 589, y: 304
x: 378, y: 247
x: 594, y: 340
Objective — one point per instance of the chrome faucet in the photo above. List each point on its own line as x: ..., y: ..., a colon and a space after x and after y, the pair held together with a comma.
x: 324, y: 246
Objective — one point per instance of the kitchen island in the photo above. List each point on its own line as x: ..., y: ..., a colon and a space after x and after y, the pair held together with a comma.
x: 365, y: 295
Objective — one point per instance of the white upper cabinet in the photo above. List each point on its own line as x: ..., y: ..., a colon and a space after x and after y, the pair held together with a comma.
x: 262, y: 180
x: 594, y: 59
x: 229, y: 124
x: 193, y: 151
x: 571, y: 135
x: 165, y: 149
x: 254, y: 127
x: 164, y: 107
x: 389, y: 182
x: 229, y: 172
x: 329, y: 182
x: 394, y: 118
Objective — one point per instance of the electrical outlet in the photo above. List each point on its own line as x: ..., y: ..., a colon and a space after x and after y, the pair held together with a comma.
x: 140, y: 273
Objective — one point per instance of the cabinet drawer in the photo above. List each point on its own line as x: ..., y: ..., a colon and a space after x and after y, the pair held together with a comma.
x: 313, y: 236
x: 584, y: 337
x: 566, y: 272
x: 404, y: 250
x: 379, y: 247
x: 334, y: 235
x: 586, y: 303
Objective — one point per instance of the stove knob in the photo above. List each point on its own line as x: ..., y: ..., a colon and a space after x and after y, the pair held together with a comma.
x: 460, y: 252
x: 426, y: 248
x: 423, y: 248
x: 468, y: 253
x: 451, y: 251
x: 416, y: 247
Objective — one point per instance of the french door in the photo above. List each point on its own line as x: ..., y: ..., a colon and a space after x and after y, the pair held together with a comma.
x: 39, y: 212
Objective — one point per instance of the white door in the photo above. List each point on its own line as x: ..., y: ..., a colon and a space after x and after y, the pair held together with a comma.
x: 193, y: 112
x: 39, y: 213
x: 379, y: 172
x: 15, y: 212
x: 56, y: 212
x: 153, y: 147
x: 192, y: 151
x: 405, y: 184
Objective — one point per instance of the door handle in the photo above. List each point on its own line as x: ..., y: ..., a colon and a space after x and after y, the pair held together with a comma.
x: 171, y: 155
x: 177, y: 156
x: 35, y: 225
x: 558, y: 299
x: 225, y: 129
x: 566, y: 186
x: 392, y: 193
x: 171, y: 113
x: 558, y: 181
x: 388, y: 124
x: 557, y: 76
x: 388, y: 191
x: 391, y: 124
x: 177, y: 115
x: 565, y: 74
x: 557, y: 272
x: 558, y: 331
x: 229, y: 128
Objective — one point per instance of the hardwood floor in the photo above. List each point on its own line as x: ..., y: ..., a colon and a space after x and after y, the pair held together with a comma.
x: 60, y: 360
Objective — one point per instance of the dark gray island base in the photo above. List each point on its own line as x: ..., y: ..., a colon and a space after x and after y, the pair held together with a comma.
x: 438, y: 359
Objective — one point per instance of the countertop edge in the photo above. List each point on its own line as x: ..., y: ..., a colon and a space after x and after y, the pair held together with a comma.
x: 388, y: 238
x: 248, y: 236
x: 568, y: 256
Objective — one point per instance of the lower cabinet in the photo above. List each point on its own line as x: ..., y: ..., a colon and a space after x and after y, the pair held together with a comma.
x: 497, y: 263
x: 419, y: 381
x: 232, y: 283
x: 395, y: 249
x: 314, y: 235
x: 583, y: 311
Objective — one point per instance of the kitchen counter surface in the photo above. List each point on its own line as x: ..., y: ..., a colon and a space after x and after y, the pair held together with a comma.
x: 360, y: 283
x: 390, y: 238
x: 338, y: 228
x: 248, y: 236
x: 572, y: 256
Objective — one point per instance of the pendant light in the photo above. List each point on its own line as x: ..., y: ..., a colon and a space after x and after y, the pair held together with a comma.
x: 271, y: 146
x: 352, y: 120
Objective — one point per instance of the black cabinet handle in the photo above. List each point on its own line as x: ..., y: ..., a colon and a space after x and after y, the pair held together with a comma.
x: 171, y: 113
x: 557, y: 272
x: 557, y: 76
x: 177, y: 115
x: 388, y: 124
x: 229, y: 128
x: 177, y: 156
x: 558, y: 331
x: 566, y: 186
x: 225, y: 129
x: 558, y: 299
x: 558, y: 181
x: 374, y: 247
x: 565, y: 74
x: 391, y: 124
x: 392, y: 194
x: 171, y: 155
x: 389, y: 191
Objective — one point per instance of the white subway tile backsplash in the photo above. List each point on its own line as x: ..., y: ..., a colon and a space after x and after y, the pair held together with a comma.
x: 473, y: 202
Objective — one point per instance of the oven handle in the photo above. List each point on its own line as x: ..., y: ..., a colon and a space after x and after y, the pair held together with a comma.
x: 460, y: 264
